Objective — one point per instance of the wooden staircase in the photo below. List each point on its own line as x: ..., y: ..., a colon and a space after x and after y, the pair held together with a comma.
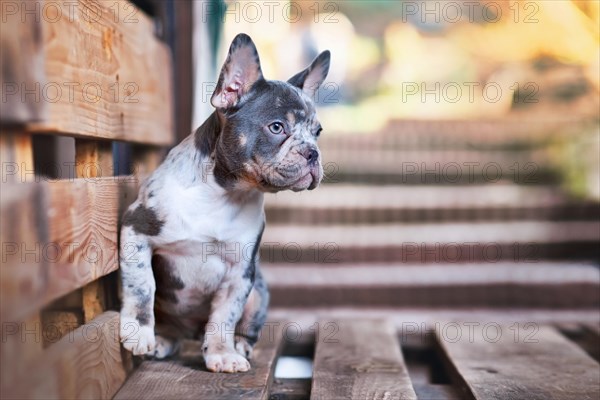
x: 450, y: 215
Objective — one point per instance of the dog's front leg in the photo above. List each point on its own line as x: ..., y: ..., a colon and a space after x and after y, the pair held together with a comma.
x: 137, y: 309
x: 226, y: 310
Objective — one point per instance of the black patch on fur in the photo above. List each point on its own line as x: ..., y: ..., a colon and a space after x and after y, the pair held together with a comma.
x: 143, y: 220
x: 231, y: 318
x: 144, y: 317
x: 251, y: 339
x: 142, y: 295
x: 206, y: 136
x: 166, y: 282
x: 250, y: 272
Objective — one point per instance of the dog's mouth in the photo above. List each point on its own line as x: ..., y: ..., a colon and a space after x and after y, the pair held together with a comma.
x: 308, y: 179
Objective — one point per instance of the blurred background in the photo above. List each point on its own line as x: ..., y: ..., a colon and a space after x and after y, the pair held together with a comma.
x: 461, y: 146
x: 461, y: 149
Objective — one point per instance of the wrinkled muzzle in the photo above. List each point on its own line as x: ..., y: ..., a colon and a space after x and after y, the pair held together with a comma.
x: 296, y: 171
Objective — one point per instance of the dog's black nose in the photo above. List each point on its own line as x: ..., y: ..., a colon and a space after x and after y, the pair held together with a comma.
x: 311, y: 155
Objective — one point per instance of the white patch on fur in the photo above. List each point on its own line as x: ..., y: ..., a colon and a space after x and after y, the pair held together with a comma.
x: 137, y: 339
x: 226, y: 361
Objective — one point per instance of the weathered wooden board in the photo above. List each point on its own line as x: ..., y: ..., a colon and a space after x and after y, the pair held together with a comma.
x: 21, y: 347
x: 21, y: 205
x: 85, y: 364
x: 493, y: 363
x: 23, y: 228
x: 16, y: 154
x: 21, y: 62
x: 290, y: 389
x: 78, y: 246
x: 587, y: 336
x: 437, y: 392
x: 107, y: 75
x: 359, y: 359
x: 58, y: 324
x: 190, y: 379
x: 93, y: 159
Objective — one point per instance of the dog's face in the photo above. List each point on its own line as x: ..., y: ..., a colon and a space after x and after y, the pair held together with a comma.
x: 270, y: 128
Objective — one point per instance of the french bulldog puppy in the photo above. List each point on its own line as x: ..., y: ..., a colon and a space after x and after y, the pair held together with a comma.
x: 189, y: 243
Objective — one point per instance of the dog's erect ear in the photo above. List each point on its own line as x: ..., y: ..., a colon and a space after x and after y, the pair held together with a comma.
x: 312, y: 77
x: 240, y: 71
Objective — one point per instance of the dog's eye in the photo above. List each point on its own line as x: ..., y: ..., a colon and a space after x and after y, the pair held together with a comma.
x: 276, y: 128
x: 318, y: 132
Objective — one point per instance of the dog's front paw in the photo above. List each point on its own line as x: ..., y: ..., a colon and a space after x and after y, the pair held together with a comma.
x: 226, y: 361
x: 138, y: 339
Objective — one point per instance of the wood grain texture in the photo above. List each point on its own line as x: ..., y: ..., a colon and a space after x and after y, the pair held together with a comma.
x: 78, y: 246
x: 16, y: 154
x: 85, y: 364
x: 189, y: 379
x: 93, y: 159
x: 21, y: 62
x: 21, y: 347
x: 586, y: 336
x: 437, y: 392
x: 23, y: 272
x: 23, y: 228
x: 290, y: 389
x: 107, y: 75
x: 58, y: 324
x: 541, y: 365
x: 362, y: 360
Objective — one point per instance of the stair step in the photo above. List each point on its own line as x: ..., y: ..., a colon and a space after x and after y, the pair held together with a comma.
x: 547, y: 285
x: 366, y: 204
x: 333, y: 175
x: 447, y: 161
x: 433, y: 166
x: 353, y: 216
x: 399, y: 234
x: 530, y: 241
x: 409, y: 320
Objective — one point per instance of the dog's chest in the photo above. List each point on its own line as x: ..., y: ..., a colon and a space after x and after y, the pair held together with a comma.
x: 205, y: 238
x: 202, y: 214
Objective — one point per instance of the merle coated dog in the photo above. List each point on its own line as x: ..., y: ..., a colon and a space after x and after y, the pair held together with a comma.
x: 189, y: 243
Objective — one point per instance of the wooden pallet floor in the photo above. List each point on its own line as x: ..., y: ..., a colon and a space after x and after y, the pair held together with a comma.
x: 371, y: 359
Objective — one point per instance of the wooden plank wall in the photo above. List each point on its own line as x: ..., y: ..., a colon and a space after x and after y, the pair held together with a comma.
x: 93, y: 71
